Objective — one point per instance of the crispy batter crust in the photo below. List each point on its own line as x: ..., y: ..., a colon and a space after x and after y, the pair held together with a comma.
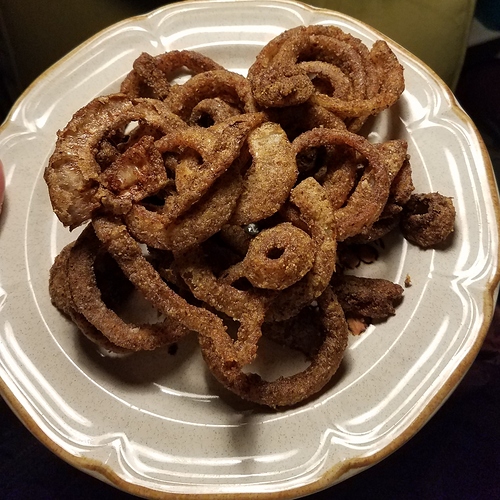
x: 223, y: 202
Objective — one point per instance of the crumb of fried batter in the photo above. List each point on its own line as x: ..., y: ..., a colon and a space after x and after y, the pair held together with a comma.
x: 356, y: 325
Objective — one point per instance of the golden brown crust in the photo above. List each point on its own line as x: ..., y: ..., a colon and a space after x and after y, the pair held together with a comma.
x: 227, y: 219
x: 428, y: 219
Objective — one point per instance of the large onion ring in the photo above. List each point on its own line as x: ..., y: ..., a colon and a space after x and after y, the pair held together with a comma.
x: 72, y: 174
x: 218, y: 146
x: 286, y: 391
x: 372, y: 191
x: 61, y: 297
x: 279, y: 79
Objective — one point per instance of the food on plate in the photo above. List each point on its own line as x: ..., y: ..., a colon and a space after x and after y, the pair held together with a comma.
x: 233, y: 206
x: 231, y: 91
x: 428, y: 219
x: 359, y: 209
x: 328, y: 67
x: 73, y: 173
x: 153, y: 76
x: 2, y: 186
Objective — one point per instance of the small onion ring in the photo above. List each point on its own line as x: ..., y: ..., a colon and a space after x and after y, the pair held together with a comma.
x: 317, y: 214
x: 213, y: 110
x: 228, y: 86
x: 287, y: 391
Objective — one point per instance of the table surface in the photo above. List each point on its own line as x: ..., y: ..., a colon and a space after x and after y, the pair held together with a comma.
x: 455, y: 456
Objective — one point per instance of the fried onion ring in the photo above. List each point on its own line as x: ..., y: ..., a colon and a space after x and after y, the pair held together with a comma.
x: 206, y: 217
x: 61, y: 297
x: 128, y: 254
x: 428, y: 219
x: 248, y: 308
x: 395, y: 157
x: 353, y: 82
x: 276, y: 258
x: 210, y: 111
x: 152, y: 76
x: 270, y: 177
x: 391, y: 86
x: 372, y: 191
x: 88, y: 301
x: 231, y: 88
x: 218, y: 147
x: 73, y: 173
x: 287, y: 391
x: 317, y: 214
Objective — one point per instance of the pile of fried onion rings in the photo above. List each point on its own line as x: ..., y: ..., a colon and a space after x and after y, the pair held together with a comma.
x: 229, y: 203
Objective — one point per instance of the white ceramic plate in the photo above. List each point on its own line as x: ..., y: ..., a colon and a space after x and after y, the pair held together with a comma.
x: 157, y: 425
